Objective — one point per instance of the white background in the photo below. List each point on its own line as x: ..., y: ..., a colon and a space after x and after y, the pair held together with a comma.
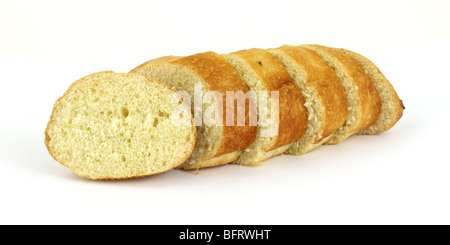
x: 398, y: 177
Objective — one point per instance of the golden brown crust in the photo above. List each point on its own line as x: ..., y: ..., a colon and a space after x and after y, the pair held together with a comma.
x: 72, y: 88
x: 367, y: 93
x: 274, y: 77
x: 399, y: 111
x: 220, y: 76
x: 324, y: 81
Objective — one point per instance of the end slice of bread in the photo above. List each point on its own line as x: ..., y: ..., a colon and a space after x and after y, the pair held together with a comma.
x: 117, y: 125
x: 324, y: 94
x: 364, y: 104
x: 207, y: 77
x: 391, y: 106
x: 282, y: 118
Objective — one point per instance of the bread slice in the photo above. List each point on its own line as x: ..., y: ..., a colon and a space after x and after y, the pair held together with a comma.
x: 364, y: 104
x: 116, y: 126
x: 282, y: 116
x: 207, y: 77
x: 324, y: 94
x: 391, y: 105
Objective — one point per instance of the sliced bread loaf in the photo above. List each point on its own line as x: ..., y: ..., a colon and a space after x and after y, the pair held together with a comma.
x: 116, y: 125
x: 206, y: 78
x: 364, y: 104
x: 282, y: 118
x: 325, y: 98
x: 391, y: 105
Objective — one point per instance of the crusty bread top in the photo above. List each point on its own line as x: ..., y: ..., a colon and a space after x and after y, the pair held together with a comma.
x: 221, y: 76
x: 217, y: 75
x: 370, y: 103
x: 321, y: 77
x: 274, y: 77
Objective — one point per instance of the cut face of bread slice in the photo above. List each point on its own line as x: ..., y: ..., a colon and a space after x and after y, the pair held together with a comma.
x: 282, y: 116
x: 391, y: 105
x: 206, y: 78
x: 116, y: 126
x: 364, y: 104
x: 325, y: 98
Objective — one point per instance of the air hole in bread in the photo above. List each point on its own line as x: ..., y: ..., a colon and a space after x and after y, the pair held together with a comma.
x: 124, y: 112
x: 155, y: 122
x: 163, y: 114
